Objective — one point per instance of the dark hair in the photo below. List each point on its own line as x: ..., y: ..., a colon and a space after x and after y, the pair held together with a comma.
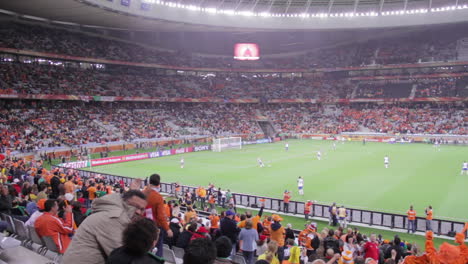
x: 223, y: 247
x: 139, y: 236
x: 200, y: 251
x: 49, y: 204
x: 155, y: 179
x: 41, y: 187
x: 397, y: 240
x: 131, y: 193
x: 331, y: 232
x: 192, y: 227
x: 76, y: 206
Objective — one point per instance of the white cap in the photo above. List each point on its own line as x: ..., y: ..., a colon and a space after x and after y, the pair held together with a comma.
x: 69, y: 197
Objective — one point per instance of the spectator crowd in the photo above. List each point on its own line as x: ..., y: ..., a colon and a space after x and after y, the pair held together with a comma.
x: 83, y: 217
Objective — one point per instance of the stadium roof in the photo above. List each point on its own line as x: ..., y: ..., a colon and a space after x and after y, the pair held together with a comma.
x: 244, y: 15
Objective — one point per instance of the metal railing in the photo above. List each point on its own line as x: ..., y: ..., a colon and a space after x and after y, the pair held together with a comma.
x: 371, y: 218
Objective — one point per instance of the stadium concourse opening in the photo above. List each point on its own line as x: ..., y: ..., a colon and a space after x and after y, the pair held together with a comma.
x: 338, y: 143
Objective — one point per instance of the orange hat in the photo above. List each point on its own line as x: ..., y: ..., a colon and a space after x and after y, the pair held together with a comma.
x: 276, y: 218
x: 346, y: 257
x: 41, y: 204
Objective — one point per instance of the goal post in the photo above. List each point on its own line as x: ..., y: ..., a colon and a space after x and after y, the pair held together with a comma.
x: 221, y: 144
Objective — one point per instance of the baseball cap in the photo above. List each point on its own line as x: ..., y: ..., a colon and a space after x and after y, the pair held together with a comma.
x: 41, y: 204
x: 229, y: 212
x: 276, y: 218
x: 202, y: 229
x: 312, y: 226
x: 175, y: 220
x: 69, y: 197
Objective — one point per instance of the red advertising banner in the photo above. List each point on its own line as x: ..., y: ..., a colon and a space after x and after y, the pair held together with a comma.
x: 140, y: 156
x: 105, y: 161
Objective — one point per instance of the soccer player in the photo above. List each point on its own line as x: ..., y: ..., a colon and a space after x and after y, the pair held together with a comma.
x: 300, y: 185
x: 260, y: 163
x: 286, y: 146
x: 386, y: 161
x: 319, y: 155
x: 464, y: 168
x: 437, y: 144
x: 182, y: 162
x: 334, y: 145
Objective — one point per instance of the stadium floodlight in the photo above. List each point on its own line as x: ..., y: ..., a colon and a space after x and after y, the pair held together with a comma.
x: 210, y: 10
x: 221, y: 144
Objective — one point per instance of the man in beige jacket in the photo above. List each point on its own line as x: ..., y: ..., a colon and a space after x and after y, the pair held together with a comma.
x: 101, y: 232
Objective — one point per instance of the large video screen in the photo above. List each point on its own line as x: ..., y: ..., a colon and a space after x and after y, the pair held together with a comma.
x: 246, y: 51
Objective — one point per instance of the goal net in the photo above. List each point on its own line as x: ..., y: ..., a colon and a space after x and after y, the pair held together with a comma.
x: 221, y: 144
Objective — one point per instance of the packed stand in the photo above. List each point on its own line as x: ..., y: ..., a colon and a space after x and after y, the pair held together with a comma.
x: 50, y: 124
x: 418, y: 119
x: 23, y: 78
x: 77, y: 214
x: 384, y: 89
x: 444, y: 87
x: 424, y: 46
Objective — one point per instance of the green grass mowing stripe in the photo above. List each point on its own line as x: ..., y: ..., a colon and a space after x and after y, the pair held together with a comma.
x: 353, y: 174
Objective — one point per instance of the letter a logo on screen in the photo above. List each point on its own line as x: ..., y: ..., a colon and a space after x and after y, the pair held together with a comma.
x: 246, y: 51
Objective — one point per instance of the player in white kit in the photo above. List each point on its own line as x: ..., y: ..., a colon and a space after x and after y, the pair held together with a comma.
x: 334, y: 145
x: 319, y: 155
x: 464, y: 168
x: 260, y: 163
x: 182, y: 162
x: 386, y: 161
x: 286, y: 146
x: 300, y: 185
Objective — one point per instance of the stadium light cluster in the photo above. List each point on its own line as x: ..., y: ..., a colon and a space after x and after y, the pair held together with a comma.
x: 231, y: 12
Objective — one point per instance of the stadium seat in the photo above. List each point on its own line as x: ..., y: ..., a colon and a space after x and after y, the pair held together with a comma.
x: 239, y: 259
x: 170, y: 257
x: 11, y: 225
x: 52, y: 247
x: 37, y: 240
x: 179, y: 252
x: 21, y: 232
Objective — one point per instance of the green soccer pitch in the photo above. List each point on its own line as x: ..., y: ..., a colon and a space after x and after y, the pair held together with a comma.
x: 353, y: 175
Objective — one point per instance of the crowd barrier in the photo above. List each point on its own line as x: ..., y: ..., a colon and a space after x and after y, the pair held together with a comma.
x: 368, y: 217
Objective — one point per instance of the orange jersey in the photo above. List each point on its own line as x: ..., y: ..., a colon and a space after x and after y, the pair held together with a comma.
x: 212, y: 200
x: 237, y: 218
x: 278, y: 235
x: 305, y: 239
x: 167, y: 209
x: 286, y: 197
x: 411, y: 214
x: 189, y: 215
x: 214, y: 219
x: 429, y: 215
x: 92, y: 193
x: 155, y: 208
x: 51, y: 226
x: 255, y: 221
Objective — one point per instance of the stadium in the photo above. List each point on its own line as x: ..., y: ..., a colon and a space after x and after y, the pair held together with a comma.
x: 221, y: 131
